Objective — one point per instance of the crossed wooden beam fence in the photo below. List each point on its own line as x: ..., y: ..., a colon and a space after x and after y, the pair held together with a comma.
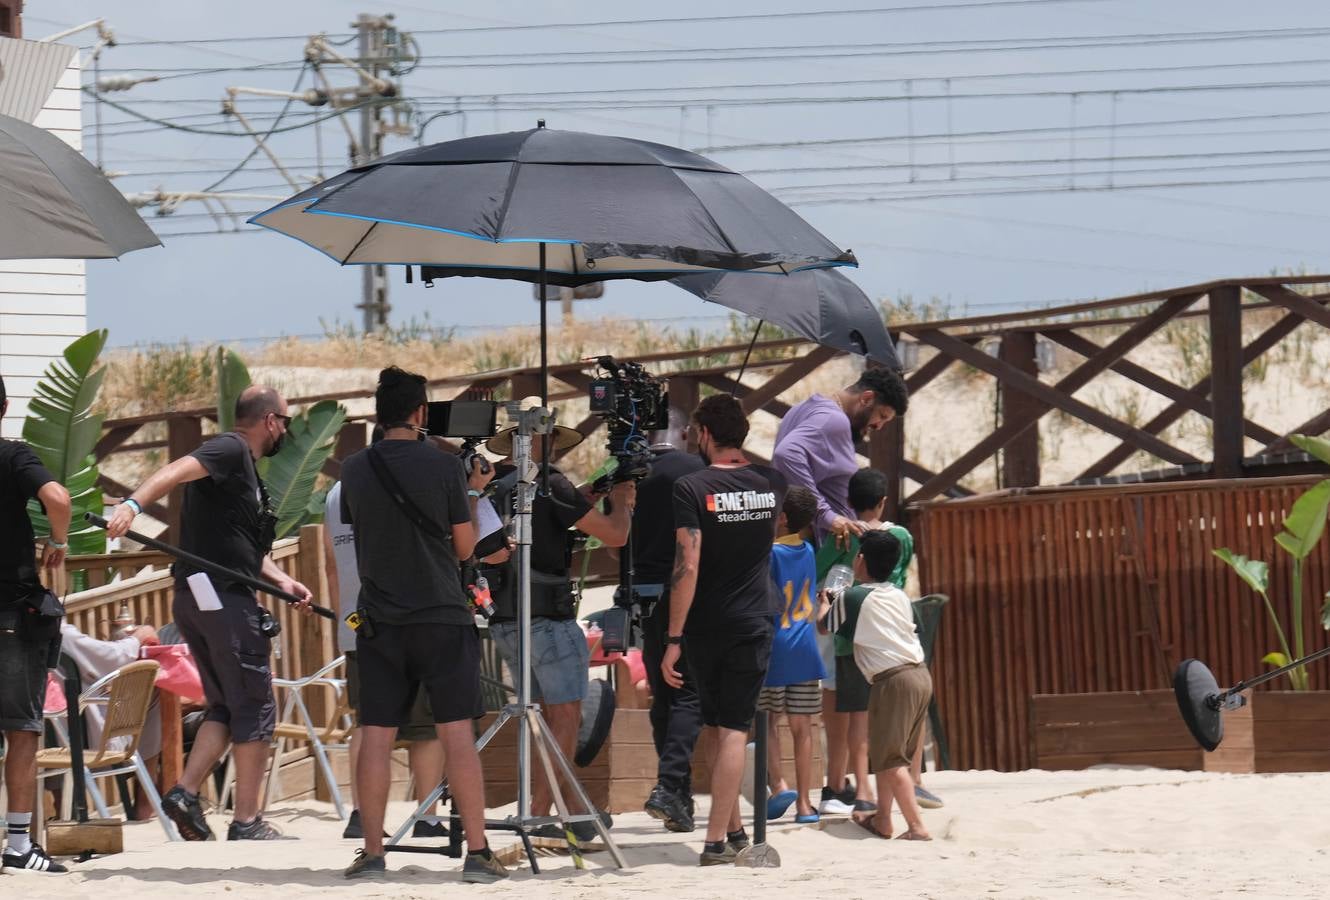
x: 1025, y: 397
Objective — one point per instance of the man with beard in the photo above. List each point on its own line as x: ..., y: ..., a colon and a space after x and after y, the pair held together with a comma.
x: 815, y: 449
x: 815, y: 444
x: 225, y: 518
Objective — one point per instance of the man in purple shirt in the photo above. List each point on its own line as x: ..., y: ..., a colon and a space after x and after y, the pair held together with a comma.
x: 815, y: 443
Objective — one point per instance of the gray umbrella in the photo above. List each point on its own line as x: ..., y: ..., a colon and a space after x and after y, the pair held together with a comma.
x: 55, y: 205
x: 820, y: 304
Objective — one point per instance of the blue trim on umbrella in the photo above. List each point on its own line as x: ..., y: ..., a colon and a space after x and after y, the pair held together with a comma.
x: 465, y: 234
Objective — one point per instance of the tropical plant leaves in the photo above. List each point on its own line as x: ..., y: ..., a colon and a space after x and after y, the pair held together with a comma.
x: 1252, y: 571
x: 292, y: 474
x: 63, y: 431
x: 232, y: 378
x: 1317, y: 447
x: 1305, y: 522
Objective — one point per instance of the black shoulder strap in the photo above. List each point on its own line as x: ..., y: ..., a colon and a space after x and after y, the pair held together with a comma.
x: 403, y: 500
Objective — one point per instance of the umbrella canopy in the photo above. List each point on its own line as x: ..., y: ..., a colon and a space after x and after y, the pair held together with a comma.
x: 54, y: 204
x: 603, y: 207
x: 821, y: 305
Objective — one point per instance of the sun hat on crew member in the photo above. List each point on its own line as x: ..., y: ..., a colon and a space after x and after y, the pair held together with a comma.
x: 565, y: 438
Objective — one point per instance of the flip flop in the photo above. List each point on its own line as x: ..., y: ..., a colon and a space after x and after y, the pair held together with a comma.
x: 867, y: 825
x: 807, y: 818
x: 913, y: 836
x: 779, y: 804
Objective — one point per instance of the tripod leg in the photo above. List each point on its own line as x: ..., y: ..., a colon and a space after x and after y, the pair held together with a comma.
x: 504, y: 715
x: 543, y: 741
x: 566, y: 768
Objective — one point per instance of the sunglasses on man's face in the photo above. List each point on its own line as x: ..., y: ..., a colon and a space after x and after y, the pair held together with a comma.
x: 285, y: 420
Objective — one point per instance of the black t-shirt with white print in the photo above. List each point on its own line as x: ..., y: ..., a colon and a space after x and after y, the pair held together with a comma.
x: 735, y: 511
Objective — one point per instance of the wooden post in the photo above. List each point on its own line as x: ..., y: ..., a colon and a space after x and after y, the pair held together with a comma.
x: 316, y: 634
x: 684, y: 397
x: 1226, y: 379
x: 886, y: 453
x: 183, y: 436
x: 1020, y: 458
x: 353, y: 437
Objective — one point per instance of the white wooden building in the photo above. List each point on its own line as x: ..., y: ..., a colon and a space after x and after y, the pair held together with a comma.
x: 43, y: 302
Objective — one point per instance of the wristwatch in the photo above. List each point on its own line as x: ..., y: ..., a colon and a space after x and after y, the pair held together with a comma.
x: 472, y: 492
x: 673, y: 639
x: 56, y: 545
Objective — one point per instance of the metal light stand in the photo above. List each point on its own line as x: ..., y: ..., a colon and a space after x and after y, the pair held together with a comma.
x: 530, y: 722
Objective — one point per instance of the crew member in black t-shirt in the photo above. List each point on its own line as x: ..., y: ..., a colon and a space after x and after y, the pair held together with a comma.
x: 559, y: 652
x: 23, y: 661
x: 722, y: 600
x: 226, y: 518
x: 412, y: 507
x: 676, y: 717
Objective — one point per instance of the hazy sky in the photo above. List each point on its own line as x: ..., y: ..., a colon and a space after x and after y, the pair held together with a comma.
x: 993, y: 222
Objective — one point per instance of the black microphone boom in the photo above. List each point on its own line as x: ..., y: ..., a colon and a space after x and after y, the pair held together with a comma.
x: 213, y: 568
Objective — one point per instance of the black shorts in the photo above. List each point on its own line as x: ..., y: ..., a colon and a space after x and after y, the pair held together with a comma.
x: 728, y: 668
x: 419, y: 725
x: 443, y: 661
x: 22, y: 679
x: 232, y: 655
x: 851, y: 686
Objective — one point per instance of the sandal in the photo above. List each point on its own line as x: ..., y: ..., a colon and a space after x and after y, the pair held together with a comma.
x: 866, y: 823
x: 913, y: 836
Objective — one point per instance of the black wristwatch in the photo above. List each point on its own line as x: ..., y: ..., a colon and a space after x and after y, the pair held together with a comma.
x: 673, y: 639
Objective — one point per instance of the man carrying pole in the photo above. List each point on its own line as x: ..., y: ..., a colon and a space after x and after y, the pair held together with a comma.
x: 225, y: 518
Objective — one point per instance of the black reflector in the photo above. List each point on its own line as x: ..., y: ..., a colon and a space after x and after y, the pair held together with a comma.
x: 1196, y: 690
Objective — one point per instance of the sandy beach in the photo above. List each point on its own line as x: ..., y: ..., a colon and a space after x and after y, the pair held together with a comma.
x: 1101, y: 833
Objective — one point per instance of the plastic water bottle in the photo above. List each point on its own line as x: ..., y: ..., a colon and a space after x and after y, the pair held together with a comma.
x: 839, y: 577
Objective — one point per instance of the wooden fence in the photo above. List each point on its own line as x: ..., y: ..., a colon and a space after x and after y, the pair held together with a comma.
x: 1081, y: 590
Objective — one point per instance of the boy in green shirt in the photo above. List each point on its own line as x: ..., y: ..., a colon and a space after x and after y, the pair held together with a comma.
x: 845, y: 706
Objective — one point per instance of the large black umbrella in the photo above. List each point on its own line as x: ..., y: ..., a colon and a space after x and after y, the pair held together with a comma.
x: 55, y: 205
x: 596, y: 207
x: 822, y: 305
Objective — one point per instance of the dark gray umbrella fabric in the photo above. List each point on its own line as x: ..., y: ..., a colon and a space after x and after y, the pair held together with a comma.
x: 821, y: 304
x: 605, y: 207
x: 54, y: 204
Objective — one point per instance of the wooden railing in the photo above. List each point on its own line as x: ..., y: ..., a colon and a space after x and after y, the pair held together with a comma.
x: 1087, y: 590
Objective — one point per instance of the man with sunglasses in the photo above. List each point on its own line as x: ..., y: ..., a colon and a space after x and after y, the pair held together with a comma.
x: 225, y: 518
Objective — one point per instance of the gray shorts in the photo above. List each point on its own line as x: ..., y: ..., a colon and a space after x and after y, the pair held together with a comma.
x: 559, y: 657
x: 232, y: 656
x: 22, y: 683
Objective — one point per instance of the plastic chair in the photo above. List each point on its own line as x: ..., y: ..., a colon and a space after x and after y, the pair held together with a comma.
x: 127, y: 694
x: 331, y: 734
x: 928, y: 620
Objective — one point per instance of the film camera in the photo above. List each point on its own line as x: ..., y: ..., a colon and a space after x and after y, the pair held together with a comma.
x: 633, y: 403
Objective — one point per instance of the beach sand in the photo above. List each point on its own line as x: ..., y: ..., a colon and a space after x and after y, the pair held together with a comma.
x: 1100, y: 833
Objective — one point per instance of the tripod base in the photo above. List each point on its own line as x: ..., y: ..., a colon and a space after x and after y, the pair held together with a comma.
x: 551, y: 755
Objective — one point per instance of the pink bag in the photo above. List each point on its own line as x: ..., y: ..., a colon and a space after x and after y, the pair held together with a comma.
x: 55, y: 694
x: 178, y: 673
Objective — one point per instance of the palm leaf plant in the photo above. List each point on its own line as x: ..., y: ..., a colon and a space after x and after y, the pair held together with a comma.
x: 63, y: 431
x: 1302, y: 530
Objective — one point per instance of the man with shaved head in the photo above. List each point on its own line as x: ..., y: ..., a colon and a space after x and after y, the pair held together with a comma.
x: 226, y: 518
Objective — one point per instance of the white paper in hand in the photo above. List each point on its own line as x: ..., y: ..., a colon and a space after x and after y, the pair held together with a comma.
x: 205, y: 595
x: 487, y: 520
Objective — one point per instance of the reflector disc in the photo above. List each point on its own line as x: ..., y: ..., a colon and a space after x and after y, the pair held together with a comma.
x: 1194, y: 686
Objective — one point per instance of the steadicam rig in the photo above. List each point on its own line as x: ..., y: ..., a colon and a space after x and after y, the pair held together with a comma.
x: 633, y: 402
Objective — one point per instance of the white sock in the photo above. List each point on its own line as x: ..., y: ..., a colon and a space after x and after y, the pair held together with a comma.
x: 20, y: 841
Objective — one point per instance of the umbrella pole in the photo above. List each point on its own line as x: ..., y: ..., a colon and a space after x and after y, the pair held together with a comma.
x: 544, y: 335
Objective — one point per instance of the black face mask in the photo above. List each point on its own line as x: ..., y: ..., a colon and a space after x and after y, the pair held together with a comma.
x: 276, y: 446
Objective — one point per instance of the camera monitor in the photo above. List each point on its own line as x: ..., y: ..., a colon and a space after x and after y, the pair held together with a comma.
x: 462, y: 418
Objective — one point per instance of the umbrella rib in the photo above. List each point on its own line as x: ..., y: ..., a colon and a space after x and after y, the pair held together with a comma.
x: 721, y: 231
x: 372, y: 226
x: 507, y: 199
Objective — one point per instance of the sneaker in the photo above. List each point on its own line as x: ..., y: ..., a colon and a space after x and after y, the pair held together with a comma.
x: 926, y: 798
x: 586, y: 831
x: 720, y: 853
x: 425, y: 828
x: 847, y: 793
x: 35, y: 861
x: 738, y: 840
x: 833, y: 805
x: 258, y: 830
x: 865, y: 806
x: 483, y: 868
x: 353, y: 831
x: 550, y: 830
x: 366, y: 866
x: 669, y: 808
x: 187, y: 814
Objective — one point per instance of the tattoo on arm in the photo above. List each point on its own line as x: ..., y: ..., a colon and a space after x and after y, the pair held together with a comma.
x: 680, y: 555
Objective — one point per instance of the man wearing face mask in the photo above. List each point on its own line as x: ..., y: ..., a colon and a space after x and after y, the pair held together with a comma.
x: 225, y: 518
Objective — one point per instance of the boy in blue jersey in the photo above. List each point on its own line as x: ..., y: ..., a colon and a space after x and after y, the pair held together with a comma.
x: 794, y: 676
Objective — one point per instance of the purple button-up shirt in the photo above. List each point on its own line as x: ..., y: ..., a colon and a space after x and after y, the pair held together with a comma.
x: 815, y: 449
